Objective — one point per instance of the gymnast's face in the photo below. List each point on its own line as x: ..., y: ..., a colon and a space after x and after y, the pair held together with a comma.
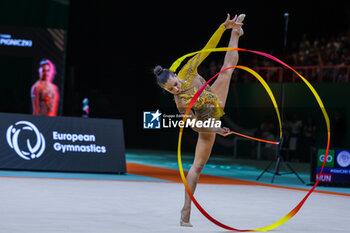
x: 45, y: 72
x: 173, y: 85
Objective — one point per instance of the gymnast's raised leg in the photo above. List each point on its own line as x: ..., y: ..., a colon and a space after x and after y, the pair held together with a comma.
x: 205, y: 139
x: 221, y: 85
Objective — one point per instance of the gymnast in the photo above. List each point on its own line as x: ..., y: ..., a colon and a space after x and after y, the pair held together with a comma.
x: 210, y: 103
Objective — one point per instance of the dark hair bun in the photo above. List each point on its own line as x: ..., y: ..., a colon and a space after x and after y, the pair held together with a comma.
x: 158, y: 70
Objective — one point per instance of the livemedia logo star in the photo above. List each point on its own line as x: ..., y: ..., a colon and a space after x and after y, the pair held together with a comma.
x: 30, y: 152
x: 151, y: 120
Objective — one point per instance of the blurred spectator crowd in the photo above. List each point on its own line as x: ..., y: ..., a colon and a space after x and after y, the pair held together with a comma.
x: 323, y: 52
x: 300, y: 135
x: 319, y: 60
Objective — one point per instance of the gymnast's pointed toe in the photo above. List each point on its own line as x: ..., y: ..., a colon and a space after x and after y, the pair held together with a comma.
x: 185, y: 224
x: 240, y: 18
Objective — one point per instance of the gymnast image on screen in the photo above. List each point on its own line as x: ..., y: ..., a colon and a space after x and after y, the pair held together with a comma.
x: 44, y: 94
x: 210, y: 103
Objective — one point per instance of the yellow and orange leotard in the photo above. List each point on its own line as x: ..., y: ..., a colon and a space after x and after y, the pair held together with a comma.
x: 207, y: 105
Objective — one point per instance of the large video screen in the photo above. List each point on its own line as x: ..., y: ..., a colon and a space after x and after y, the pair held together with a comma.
x: 32, y: 64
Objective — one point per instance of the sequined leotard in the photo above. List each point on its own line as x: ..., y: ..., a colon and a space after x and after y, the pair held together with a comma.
x: 207, y: 105
x: 47, y: 96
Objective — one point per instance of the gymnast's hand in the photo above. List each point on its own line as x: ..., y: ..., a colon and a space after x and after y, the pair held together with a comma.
x: 229, y: 24
x: 224, y: 131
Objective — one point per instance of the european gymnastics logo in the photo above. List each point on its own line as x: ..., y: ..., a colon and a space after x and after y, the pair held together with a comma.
x: 30, y: 152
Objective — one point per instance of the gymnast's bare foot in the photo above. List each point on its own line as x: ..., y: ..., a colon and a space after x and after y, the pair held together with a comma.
x: 235, y: 24
x: 185, y: 217
x: 239, y: 23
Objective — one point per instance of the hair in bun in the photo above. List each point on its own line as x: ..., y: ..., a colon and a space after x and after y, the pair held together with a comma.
x: 162, y: 75
x: 157, y: 70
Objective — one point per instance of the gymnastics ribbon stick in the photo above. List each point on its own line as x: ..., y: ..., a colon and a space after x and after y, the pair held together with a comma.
x: 318, y: 99
x: 256, y: 139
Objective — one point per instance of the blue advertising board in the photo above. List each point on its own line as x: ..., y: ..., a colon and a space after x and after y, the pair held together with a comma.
x: 337, y: 166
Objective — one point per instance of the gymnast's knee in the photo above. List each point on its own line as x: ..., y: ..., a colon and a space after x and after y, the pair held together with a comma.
x: 206, y: 137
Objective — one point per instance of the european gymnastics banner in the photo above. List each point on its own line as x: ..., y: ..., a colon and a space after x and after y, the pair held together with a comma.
x: 72, y: 144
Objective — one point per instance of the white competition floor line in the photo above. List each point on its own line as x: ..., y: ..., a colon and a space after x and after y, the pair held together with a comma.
x: 39, y: 205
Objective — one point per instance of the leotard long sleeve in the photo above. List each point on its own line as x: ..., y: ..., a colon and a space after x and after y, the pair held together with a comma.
x: 207, y: 105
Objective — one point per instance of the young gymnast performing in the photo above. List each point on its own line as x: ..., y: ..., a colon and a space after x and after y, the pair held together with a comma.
x: 210, y: 104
